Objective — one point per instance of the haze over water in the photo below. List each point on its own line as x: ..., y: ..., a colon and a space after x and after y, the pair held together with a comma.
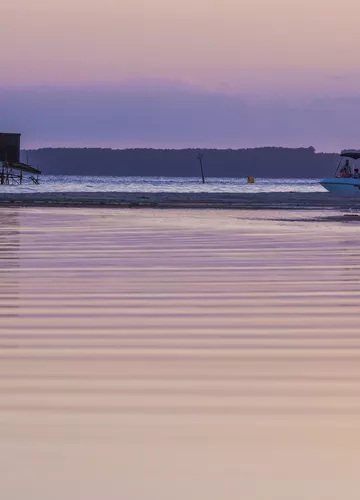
x: 151, y: 354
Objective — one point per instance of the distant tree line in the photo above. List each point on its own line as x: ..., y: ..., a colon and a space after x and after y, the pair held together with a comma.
x: 259, y: 162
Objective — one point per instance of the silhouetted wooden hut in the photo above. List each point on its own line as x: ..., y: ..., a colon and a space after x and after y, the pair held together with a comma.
x: 12, y: 170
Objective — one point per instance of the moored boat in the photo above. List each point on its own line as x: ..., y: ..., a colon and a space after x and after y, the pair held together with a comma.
x: 346, y: 179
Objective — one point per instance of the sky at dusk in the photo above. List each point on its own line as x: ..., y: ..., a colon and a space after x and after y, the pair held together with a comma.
x: 273, y: 59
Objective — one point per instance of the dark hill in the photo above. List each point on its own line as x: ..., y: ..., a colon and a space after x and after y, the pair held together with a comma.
x: 259, y: 162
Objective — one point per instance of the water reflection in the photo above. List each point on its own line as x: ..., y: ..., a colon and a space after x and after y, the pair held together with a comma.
x: 201, y: 348
x: 9, y: 261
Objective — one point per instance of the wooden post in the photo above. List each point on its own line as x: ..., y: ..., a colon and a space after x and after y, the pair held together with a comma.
x: 200, y: 157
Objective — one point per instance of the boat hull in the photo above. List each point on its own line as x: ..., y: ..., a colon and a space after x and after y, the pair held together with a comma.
x: 341, y: 186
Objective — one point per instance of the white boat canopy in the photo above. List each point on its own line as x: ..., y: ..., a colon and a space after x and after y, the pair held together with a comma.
x: 351, y: 153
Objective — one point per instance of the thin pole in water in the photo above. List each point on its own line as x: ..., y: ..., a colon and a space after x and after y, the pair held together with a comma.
x: 200, y: 157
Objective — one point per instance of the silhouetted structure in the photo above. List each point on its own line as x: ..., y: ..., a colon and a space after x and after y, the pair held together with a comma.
x: 200, y: 157
x: 11, y: 169
x: 10, y: 147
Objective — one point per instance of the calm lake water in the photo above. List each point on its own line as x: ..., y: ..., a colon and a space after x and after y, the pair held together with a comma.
x: 62, y: 183
x: 181, y: 354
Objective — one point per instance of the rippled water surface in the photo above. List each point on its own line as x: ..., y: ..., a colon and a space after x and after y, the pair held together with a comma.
x: 156, y: 355
x: 68, y: 183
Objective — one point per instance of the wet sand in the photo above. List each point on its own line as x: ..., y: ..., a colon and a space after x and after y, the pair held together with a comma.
x: 244, y: 201
x: 157, y: 355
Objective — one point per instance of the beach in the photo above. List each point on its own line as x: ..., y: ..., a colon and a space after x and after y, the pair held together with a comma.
x: 161, y: 354
x: 242, y: 201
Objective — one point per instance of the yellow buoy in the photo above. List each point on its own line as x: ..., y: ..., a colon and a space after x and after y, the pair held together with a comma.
x: 251, y: 180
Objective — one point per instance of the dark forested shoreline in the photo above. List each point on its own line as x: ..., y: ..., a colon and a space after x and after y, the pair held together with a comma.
x: 259, y: 162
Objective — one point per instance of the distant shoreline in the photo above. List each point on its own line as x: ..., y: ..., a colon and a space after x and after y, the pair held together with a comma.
x: 237, y: 201
x: 270, y: 162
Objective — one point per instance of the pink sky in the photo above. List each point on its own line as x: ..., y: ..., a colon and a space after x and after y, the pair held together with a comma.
x: 165, y: 73
x: 296, y: 46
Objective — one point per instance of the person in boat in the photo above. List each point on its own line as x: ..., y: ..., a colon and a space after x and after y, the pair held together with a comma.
x: 356, y: 173
x: 346, y: 170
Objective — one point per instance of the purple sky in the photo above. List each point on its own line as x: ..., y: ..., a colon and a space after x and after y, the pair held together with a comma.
x: 173, y: 116
x: 174, y: 74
